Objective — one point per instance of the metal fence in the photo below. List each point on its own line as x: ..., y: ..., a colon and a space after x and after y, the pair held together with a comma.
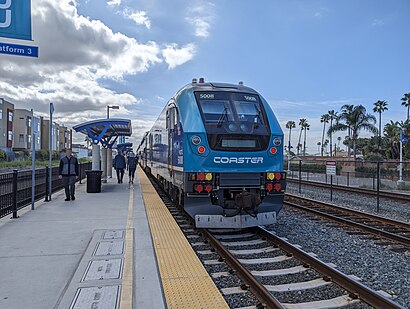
x: 15, y: 187
x: 360, y: 174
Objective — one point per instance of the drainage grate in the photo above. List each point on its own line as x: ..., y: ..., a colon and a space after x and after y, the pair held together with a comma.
x: 106, y: 297
x: 109, y: 248
x: 103, y: 269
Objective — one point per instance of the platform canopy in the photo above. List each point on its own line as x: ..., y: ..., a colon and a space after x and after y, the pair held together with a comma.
x: 105, y: 131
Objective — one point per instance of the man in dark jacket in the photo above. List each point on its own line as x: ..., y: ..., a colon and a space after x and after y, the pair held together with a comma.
x: 119, y: 165
x: 68, y: 171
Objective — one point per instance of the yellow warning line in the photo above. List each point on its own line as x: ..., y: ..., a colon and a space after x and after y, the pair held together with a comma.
x: 184, y: 279
x: 127, y: 278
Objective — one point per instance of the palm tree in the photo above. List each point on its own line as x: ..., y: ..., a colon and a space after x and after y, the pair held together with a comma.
x: 346, y: 114
x: 380, y: 107
x: 325, y: 144
x: 302, y: 122
x: 324, y: 119
x: 290, y: 125
x: 406, y: 103
x: 392, y: 134
x: 332, y: 115
x: 358, y: 120
x: 305, y: 127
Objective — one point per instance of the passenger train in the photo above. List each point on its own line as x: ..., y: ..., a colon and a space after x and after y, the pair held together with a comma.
x: 217, y: 149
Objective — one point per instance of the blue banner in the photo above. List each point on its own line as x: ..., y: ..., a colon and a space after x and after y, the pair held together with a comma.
x: 18, y: 50
x: 15, y: 19
x: 403, y: 139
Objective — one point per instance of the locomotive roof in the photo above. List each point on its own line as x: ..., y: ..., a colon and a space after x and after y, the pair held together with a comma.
x: 215, y: 86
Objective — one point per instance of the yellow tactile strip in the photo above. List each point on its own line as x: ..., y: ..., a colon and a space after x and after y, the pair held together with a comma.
x: 184, y: 279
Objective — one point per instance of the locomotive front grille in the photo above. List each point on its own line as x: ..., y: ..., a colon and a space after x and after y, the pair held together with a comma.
x: 239, y: 180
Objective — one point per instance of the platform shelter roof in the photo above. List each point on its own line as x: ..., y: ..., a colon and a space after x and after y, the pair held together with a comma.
x: 105, y: 131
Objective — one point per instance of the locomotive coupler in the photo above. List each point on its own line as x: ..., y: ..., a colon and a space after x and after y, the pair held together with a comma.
x: 247, y: 201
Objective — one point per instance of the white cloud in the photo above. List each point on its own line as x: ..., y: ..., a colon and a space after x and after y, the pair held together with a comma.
x: 114, y: 2
x: 175, y: 56
x: 201, y: 17
x: 75, y: 53
x: 378, y: 23
x: 139, y: 17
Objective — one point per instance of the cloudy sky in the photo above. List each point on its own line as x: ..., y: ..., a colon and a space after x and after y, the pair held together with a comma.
x: 304, y: 57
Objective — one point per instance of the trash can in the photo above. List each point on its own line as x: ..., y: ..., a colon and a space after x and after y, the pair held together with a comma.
x: 93, y: 181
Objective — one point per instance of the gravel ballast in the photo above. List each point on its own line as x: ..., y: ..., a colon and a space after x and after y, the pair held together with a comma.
x: 379, y: 267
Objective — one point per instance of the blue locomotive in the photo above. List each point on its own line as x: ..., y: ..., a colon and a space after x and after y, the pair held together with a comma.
x: 217, y: 149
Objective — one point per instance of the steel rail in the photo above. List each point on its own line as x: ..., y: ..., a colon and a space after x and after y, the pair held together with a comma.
x: 258, y: 289
x: 369, y: 216
x: 396, y: 196
x: 355, y: 288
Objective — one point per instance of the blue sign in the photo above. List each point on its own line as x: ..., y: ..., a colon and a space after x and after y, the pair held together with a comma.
x: 15, y: 19
x: 402, y: 138
x: 19, y: 50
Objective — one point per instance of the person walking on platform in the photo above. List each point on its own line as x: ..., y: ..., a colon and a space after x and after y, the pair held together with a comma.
x: 119, y: 165
x: 131, y: 166
x: 68, y: 172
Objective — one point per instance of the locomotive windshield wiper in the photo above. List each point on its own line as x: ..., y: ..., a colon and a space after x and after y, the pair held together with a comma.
x: 223, y: 116
x: 258, y: 114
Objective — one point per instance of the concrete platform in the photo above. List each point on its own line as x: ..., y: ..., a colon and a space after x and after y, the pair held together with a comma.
x: 94, y: 252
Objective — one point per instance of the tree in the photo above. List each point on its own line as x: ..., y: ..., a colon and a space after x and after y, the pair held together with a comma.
x: 380, y: 107
x: 346, y: 114
x: 406, y: 103
x: 392, y: 135
x: 302, y: 122
x: 357, y: 121
x: 290, y: 125
x: 324, y: 119
x: 305, y: 127
x: 332, y: 116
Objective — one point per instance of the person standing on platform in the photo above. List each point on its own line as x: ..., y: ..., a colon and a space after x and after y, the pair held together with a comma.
x: 68, y: 172
x: 131, y: 166
x: 119, y: 165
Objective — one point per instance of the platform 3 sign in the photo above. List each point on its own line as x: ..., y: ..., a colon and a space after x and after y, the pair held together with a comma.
x: 15, y: 19
x: 18, y: 50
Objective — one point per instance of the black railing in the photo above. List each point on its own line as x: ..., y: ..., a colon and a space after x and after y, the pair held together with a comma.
x: 15, y: 187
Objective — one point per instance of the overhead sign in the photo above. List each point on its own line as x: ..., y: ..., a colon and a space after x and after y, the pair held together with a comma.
x: 19, y: 50
x: 330, y: 167
x: 15, y: 19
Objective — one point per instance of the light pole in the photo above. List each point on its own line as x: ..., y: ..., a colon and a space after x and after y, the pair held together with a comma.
x: 112, y: 107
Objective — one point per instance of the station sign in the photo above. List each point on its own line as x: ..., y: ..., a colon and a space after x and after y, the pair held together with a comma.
x: 18, y: 50
x: 15, y: 19
x: 330, y: 167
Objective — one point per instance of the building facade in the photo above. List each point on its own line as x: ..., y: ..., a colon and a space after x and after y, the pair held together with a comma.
x: 22, y: 129
x: 6, y: 125
x: 65, y: 138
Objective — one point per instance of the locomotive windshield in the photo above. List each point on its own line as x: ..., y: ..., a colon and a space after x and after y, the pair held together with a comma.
x: 234, y: 121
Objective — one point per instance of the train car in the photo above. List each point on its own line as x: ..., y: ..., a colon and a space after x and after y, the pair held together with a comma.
x: 217, y: 149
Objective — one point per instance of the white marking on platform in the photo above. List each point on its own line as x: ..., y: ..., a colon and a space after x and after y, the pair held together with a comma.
x: 279, y: 272
x: 103, y: 269
x: 265, y: 260
x: 336, y: 302
x: 106, y: 297
x: 243, y: 243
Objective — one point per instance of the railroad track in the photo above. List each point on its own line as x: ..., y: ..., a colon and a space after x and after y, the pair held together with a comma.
x: 396, y: 232
x: 269, y: 272
x: 384, y: 194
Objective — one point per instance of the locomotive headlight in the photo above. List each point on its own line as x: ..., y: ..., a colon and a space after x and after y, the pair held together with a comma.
x: 196, y: 140
x: 270, y: 176
x: 208, y: 176
x: 277, y: 141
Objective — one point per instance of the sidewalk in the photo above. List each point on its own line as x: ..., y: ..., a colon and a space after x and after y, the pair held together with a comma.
x: 42, y: 252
